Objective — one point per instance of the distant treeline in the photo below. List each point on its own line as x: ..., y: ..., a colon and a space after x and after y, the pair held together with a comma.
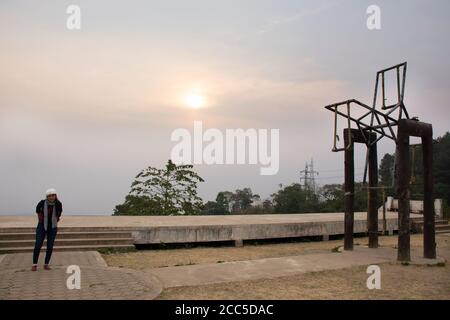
x: 173, y: 190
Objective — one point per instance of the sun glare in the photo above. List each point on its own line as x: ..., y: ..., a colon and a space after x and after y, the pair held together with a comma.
x: 195, y: 101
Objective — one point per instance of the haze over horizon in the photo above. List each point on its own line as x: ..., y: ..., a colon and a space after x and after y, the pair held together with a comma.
x: 83, y: 111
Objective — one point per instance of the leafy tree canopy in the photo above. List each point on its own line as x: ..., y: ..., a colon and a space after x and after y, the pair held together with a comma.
x: 172, y: 190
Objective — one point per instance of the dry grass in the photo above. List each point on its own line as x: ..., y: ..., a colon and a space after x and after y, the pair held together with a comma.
x: 175, y: 257
x: 398, y: 282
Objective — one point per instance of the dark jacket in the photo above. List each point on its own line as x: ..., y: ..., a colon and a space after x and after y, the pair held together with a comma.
x: 40, y: 210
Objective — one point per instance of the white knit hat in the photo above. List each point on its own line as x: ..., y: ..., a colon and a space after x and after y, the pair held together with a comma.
x: 50, y: 191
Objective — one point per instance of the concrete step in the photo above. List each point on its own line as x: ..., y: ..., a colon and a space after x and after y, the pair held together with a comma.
x: 68, y: 235
x: 443, y: 227
x: 22, y: 239
x: 68, y: 242
x: 437, y: 222
x: 68, y: 229
x: 66, y: 248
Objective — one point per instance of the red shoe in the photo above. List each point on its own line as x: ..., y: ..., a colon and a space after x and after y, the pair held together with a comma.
x: 33, y: 268
x: 47, y: 267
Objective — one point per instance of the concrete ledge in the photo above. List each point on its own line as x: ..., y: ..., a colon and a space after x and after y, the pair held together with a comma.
x: 211, y: 233
x: 191, y: 229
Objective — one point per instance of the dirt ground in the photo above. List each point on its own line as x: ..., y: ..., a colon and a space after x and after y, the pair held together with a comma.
x: 145, y: 259
x: 398, y: 281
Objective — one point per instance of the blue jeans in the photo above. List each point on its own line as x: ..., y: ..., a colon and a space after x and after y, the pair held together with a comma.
x: 40, y: 236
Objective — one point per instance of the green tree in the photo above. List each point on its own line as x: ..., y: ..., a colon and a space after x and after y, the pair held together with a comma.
x: 213, y: 208
x: 242, y: 199
x: 224, y: 199
x: 268, y: 206
x: 240, y: 202
x: 332, y: 196
x: 172, y: 190
x: 138, y: 206
x: 441, y: 169
x: 386, y: 170
x: 295, y: 199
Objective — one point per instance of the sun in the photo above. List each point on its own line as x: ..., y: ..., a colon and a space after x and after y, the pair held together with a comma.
x: 195, y: 100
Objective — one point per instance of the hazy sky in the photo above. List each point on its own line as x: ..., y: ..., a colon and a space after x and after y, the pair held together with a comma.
x: 84, y: 111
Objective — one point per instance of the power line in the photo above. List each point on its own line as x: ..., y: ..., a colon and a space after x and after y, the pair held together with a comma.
x: 337, y: 170
x: 338, y: 177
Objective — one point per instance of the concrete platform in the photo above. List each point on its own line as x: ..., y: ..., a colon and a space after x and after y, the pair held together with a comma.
x: 184, y: 229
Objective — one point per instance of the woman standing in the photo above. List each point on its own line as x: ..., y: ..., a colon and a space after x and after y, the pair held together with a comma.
x: 49, y: 212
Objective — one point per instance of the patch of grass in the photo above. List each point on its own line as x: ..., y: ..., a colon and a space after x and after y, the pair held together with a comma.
x: 92, y: 285
x: 107, y: 251
x: 436, y: 264
x: 162, y: 245
x: 190, y: 263
x: 182, y: 245
x: 307, y: 239
x: 336, y: 249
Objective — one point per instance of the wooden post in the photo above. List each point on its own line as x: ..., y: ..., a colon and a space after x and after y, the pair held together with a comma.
x: 383, y: 192
x: 429, y: 241
x: 407, y: 128
x: 372, y: 212
x: 403, y: 193
x: 349, y: 191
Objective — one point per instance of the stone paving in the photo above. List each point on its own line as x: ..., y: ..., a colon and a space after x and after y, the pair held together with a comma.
x: 21, y: 260
x: 98, y: 281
